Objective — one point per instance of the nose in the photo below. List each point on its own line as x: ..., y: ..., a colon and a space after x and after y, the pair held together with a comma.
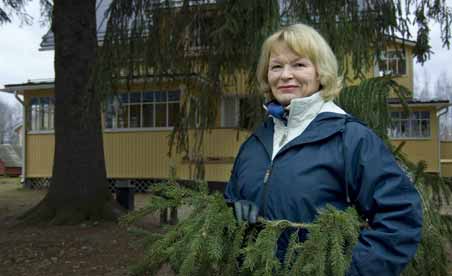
x: 286, y: 72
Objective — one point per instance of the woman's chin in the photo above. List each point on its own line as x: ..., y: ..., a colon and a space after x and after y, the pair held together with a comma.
x: 285, y: 99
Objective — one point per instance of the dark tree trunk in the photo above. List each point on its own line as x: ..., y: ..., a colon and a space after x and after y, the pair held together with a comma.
x: 79, y: 189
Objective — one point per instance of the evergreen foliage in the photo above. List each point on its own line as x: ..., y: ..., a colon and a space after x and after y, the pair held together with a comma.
x: 11, y: 8
x: 211, y: 242
x: 375, y: 93
x: 8, y: 8
x: 245, y: 250
x: 207, y: 47
x: 432, y: 257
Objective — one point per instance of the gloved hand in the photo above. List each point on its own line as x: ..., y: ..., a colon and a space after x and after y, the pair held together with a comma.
x: 246, y: 211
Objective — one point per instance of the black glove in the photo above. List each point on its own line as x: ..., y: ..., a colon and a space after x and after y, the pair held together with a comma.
x: 246, y: 211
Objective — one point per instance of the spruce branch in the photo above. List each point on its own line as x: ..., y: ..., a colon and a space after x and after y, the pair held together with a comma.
x: 210, y: 241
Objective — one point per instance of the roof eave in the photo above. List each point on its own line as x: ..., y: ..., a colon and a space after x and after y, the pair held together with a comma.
x: 437, y: 104
x: 12, y: 88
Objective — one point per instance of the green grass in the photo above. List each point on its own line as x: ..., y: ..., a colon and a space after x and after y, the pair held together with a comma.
x: 9, y: 180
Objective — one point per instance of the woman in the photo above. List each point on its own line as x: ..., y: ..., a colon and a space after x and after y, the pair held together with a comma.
x: 310, y: 153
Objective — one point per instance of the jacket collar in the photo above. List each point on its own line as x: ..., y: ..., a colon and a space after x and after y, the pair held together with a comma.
x: 304, y: 109
x: 297, y: 110
x: 323, y: 126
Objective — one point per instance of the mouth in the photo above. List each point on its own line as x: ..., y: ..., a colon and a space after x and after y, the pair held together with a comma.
x: 287, y: 87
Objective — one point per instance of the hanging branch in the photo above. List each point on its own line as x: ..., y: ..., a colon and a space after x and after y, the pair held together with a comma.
x: 375, y: 93
x: 210, y: 242
x: 204, y: 47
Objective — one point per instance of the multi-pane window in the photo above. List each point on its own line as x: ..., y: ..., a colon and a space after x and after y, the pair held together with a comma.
x: 199, y: 32
x: 235, y: 112
x: 412, y: 125
x: 179, y: 3
x: 392, y: 63
x: 230, y: 111
x: 148, y: 109
x: 41, y: 113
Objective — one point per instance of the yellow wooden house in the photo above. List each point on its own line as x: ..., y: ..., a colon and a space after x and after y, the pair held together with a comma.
x: 419, y: 129
x: 136, y: 131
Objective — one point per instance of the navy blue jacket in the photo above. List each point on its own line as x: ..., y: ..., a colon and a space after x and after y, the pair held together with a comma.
x: 335, y: 160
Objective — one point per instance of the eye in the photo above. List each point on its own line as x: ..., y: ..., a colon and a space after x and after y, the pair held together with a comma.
x: 275, y: 66
x: 300, y: 64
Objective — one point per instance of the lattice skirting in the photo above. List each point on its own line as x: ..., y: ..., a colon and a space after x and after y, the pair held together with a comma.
x: 139, y: 185
x: 37, y: 183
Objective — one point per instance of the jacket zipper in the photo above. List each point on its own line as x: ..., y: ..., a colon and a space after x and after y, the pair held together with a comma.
x: 267, y: 175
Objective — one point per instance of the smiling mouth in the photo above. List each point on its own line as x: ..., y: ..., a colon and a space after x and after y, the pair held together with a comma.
x: 288, y: 87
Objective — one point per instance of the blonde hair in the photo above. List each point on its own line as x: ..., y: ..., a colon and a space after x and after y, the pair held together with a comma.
x: 306, y: 42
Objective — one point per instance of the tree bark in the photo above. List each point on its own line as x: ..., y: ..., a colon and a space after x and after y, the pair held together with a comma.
x: 79, y: 188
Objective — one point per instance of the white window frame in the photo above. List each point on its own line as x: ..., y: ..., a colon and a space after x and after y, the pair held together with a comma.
x: 410, y: 120
x: 224, y: 113
x: 36, y: 123
x: 397, y: 55
x: 141, y: 104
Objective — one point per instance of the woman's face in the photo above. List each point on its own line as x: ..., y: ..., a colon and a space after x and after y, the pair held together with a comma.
x: 291, y: 76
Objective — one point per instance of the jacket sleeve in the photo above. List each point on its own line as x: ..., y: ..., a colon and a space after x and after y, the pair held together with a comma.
x: 232, y: 193
x: 384, y: 195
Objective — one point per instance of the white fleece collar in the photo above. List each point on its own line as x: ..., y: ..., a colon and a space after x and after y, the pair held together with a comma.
x: 302, y: 111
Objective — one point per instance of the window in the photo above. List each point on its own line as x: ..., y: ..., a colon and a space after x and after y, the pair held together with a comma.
x: 179, y: 3
x: 41, y: 113
x: 236, y: 112
x: 199, y: 32
x: 392, y: 63
x: 148, y: 109
x: 413, y: 125
x: 230, y: 112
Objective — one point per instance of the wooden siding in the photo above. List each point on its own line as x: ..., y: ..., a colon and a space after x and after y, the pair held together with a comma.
x: 2, y: 167
x: 446, y: 149
x: 38, y: 93
x: 13, y: 171
x: 446, y: 158
x: 143, y: 154
x: 418, y: 149
x: 39, y: 155
x: 405, y: 80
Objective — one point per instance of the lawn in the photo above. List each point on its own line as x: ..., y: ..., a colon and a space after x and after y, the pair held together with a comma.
x: 87, y: 249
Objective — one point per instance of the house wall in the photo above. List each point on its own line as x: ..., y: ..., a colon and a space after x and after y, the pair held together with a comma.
x: 405, y: 80
x: 13, y: 171
x: 446, y: 158
x: 39, y: 155
x: 418, y: 149
x: 143, y: 154
x: 2, y: 168
x: 37, y: 93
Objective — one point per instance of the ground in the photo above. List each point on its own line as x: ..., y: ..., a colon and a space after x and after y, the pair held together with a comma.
x: 88, y: 249
x: 94, y: 249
